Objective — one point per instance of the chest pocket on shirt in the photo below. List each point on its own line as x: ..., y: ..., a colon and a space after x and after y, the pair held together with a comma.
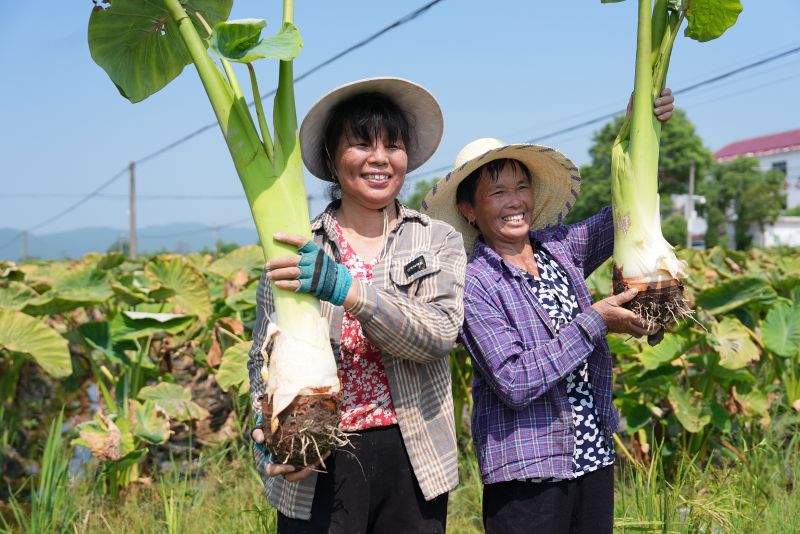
x: 408, y: 269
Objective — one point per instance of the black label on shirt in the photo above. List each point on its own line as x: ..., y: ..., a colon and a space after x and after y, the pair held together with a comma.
x: 414, y: 266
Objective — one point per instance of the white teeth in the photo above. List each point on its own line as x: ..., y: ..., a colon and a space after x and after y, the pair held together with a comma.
x: 375, y: 177
x: 514, y: 218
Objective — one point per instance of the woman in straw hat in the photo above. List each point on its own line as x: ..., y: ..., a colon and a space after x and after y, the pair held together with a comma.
x: 543, y: 418
x: 394, y: 302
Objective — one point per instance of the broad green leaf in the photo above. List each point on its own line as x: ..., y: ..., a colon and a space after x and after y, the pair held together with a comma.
x: 687, y: 409
x: 733, y: 344
x: 77, y: 287
x: 708, y: 19
x: 621, y: 347
x: 174, y: 273
x: 139, y: 45
x: 720, y: 417
x: 731, y: 294
x: 16, y: 295
x: 249, y: 259
x: 244, y: 299
x: 175, y: 400
x: 98, y: 336
x: 149, y: 422
x: 10, y: 271
x: 238, y: 40
x: 233, y: 369
x: 104, y: 438
x: 755, y: 402
x: 636, y: 416
x: 781, y: 330
x: 131, y: 297
x: 670, y: 348
x: 24, y: 334
x: 124, y: 327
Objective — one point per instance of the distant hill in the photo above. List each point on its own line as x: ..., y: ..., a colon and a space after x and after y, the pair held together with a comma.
x: 179, y: 237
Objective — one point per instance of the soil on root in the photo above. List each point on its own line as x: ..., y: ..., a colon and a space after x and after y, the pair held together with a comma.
x: 659, y: 304
x: 308, y: 429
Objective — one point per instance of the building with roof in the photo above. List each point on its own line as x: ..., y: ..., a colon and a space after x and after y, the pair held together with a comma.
x: 779, y: 151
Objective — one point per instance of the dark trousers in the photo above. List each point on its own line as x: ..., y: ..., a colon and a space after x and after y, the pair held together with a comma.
x: 582, y: 505
x: 370, y: 487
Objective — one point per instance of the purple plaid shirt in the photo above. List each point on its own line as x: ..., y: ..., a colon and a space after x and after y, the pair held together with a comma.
x: 522, y: 420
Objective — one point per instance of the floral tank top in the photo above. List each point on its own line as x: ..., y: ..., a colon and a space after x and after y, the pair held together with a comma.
x: 366, y: 398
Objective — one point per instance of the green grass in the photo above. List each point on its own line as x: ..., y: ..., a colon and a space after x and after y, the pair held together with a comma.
x: 755, y: 493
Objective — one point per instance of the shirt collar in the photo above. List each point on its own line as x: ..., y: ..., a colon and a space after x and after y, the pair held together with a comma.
x: 483, y: 251
x: 326, y: 219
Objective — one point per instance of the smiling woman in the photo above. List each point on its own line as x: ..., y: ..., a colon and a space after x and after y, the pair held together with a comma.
x: 391, y: 281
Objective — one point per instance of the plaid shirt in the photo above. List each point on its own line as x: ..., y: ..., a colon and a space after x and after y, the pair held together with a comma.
x: 522, y: 420
x: 412, y: 313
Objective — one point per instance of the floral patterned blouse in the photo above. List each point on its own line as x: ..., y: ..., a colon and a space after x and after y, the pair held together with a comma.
x: 367, y: 401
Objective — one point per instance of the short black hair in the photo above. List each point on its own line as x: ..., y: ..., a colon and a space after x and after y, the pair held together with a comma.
x: 365, y: 116
x: 466, y: 189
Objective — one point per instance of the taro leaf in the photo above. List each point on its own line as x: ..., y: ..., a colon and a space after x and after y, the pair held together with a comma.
x: 620, y: 346
x: 174, y: 400
x: 689, y: 412
x: 244, y: 299
x: 249, y: 259
x: 670, y: 348
x: 733, y: 344
x: 24, y: 334
x: 781, y: 330
x: 720, y: 417
x: 98, y: 336
x: 78, y: 287
x: 10, y: 271
x: 149, y: 422
x: 174, y: 273
x: 16, y: 295
x: 708, y: 19
x: 139, y: 45
x: 233, y: 370
x: 636, y: 416
x: 104, y: 438
x: 754, y: 402
x: 731, y: 294
x: 131, y: 297
x: 238, y: 40
x: 142, y: 324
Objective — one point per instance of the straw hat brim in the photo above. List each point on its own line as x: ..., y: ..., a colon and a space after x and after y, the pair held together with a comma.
x: 555, y: 184
x: 426, y: 123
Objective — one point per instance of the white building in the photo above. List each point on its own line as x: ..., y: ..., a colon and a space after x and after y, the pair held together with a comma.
x: 780, y: 151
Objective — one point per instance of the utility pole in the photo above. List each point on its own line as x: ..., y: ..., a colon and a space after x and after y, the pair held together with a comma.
x: 132, y: 211
x: 24, y: 254
x: 689, y: 208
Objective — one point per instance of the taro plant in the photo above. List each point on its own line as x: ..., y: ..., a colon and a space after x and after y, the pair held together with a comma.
x: 142, y: 46
x: 642, y: 257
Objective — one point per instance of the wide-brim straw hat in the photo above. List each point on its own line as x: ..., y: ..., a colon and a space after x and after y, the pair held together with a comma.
x: 426, y: 123
x: 555, y: 184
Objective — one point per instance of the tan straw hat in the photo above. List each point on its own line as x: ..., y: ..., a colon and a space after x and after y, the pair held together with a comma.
x: 426, y: 123
x: 556, y: 182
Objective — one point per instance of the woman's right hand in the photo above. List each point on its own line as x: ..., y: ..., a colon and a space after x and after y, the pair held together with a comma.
x: 621, y: 320
x: 289, y: 472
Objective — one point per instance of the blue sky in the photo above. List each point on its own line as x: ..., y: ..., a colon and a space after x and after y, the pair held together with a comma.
x: 513, y: 69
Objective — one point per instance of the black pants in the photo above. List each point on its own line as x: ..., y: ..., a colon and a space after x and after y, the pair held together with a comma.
x: 582, y: 505
x: 370, y: 487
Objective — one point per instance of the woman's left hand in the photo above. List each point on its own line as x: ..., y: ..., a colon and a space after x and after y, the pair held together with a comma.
x: 662, y: 107
x: 312, y: 271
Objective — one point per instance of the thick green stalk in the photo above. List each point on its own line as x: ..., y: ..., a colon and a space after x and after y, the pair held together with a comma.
x: 276, y: 195
x: 262, y: 120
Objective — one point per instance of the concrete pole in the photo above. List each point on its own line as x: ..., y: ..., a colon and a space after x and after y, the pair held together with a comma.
x: 132, y: 241
x: 689, y: 208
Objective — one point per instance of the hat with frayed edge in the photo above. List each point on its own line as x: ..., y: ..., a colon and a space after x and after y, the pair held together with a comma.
x: 555, y: 184
x: 426, y: 123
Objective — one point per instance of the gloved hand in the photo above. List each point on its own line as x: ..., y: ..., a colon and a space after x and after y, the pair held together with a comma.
x: 321, y: 276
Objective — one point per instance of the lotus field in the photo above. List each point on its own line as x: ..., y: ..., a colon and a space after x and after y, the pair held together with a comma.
x: 124, y: 398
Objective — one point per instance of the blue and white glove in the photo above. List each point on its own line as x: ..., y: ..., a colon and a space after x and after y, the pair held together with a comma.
x: 321, y: 276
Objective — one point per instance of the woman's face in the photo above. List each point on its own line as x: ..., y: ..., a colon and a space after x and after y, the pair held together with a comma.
x: 502, y: 208
x: 371, y: 172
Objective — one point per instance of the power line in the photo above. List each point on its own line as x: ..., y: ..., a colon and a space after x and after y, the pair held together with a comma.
x: 609, y: 116
x: 396, y: 24
x: 194, y: 232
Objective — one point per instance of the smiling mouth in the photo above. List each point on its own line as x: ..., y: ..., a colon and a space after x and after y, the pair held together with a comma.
x: 514, y: 218
x: 376, y: 177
